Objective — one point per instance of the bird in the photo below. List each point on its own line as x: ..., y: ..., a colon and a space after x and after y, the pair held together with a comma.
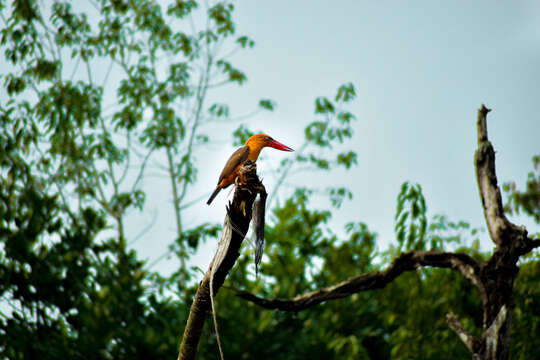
x: 250, y: 151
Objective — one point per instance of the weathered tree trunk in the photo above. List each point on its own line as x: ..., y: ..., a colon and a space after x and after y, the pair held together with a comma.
x: 497, y: 275
x: 235, y: 227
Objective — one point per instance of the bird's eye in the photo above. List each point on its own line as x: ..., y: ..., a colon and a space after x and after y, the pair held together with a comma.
x: 266, y: 138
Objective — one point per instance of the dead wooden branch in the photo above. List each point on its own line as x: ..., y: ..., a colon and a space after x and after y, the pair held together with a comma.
x: 409, y: 261
x: 463, y: 334
x: 493, y: 278
x: 499, y: 272
x: 498, y: 225
x: 235, y: 227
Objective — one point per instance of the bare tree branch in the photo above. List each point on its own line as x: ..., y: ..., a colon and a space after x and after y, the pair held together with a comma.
x: 236, y: 226
x: 463, y: 334
x: 493, y: 335
x: 409, y: 261
x: 532, y: 244
x: 498, y: 225
x: 493, y: 278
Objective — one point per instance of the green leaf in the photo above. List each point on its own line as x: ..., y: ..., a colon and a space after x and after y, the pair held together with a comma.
x: 267, y: 104
x: 245, y: 42
x: 323, y: 106
x: 345, y: 93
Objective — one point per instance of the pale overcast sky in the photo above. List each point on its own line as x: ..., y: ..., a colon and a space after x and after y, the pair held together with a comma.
x: 421, y: 70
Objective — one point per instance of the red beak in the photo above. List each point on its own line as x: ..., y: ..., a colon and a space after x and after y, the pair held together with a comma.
x: 277, y: 145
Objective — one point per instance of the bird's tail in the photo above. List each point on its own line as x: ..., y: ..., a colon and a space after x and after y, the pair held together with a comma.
x: 214, y: 194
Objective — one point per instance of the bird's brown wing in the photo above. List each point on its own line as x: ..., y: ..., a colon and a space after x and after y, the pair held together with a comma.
x: 238, y: 157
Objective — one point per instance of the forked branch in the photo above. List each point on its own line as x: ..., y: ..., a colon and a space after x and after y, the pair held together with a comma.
x: 493, y: 278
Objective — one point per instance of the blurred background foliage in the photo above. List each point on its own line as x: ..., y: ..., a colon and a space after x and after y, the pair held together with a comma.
x: 75, y: 149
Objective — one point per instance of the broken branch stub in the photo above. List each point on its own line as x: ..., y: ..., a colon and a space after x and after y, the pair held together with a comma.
x: 239, y: 212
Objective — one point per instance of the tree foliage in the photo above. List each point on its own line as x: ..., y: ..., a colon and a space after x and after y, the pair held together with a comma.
x: 94, y: 93
x: 527, y: 200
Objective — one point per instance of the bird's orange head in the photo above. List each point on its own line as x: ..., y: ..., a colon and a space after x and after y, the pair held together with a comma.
x: 259, y: 141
